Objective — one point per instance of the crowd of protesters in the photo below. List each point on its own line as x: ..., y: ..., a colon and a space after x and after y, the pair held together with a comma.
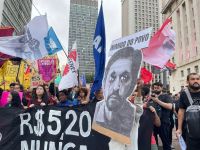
x: 161, y: 109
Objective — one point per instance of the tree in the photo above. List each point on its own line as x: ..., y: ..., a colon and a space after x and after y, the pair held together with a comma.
x: 89, y: 77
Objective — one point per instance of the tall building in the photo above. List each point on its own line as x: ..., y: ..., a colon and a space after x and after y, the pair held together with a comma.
x: 138, y: 15
x: 82, y: 22
x: 186, y: 23
x: 15, y: 13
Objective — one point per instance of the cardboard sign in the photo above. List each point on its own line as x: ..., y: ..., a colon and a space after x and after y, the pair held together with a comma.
x: 36, y: 80
x: 47, y: 69
x: 115, y: 116
x: 137, y: 41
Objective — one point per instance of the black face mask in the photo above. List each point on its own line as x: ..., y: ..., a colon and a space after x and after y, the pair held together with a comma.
x: 195, y: 86
x: 157, y: 92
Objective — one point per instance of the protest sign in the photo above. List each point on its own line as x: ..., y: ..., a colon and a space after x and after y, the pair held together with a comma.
x: 47, y: 69
x: 36, y: 80
x: 115, y: 116
x: 9, y: 73
x: 50, y: 128
x: 138, y: 41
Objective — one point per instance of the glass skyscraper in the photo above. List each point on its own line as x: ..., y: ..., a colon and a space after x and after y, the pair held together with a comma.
x: 15, y: 13
x: 82, y: 22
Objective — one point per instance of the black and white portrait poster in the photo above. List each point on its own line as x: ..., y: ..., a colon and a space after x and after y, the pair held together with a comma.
x: 115, y: 116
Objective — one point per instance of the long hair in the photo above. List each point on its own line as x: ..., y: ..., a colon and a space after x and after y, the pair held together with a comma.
x: 84, y: 90
x: 44, y: 96
x: 16, y: 101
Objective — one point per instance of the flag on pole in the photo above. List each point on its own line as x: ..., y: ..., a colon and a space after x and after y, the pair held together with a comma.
x: 99, y: 45
x: 73, y: 55
x: 69, y: 78
x: 146, y: 75
x: 30, y: 45
x: 52, y: 42
x: 83, y: 80
x: 161, y: 47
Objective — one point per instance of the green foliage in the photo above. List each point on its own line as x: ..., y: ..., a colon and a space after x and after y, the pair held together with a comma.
x: 89, y: 77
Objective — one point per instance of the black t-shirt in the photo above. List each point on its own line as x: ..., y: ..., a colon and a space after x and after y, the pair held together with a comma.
x: 165, y: 113
x: 184, y: 102
x: 145, y: 130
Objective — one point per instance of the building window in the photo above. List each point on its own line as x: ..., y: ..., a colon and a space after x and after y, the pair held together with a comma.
x: 188, y: 71
x: 196, y: 68
x: 182, y: 73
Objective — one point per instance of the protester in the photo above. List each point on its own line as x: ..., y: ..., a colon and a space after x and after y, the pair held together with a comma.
x: 17, y: 87
x: 190, y: 101
x: 52, y: 99
x: 63, y: 96
x: 165, y: 102
x: 14, y: 100
x: 98, y: 96
x: 12, y: 86
x: 73, y: 92
x: 176, y: 108
x: 148, y: 119
x: 1, y: 92
x: 40, y: 97
x: 83, y: 96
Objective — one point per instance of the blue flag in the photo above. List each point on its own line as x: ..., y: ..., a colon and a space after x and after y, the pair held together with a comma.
x: 99, y: 45
x: 83, y: 80
x: 52, y: 42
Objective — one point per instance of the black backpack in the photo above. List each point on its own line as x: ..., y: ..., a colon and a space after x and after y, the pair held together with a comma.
x: 192, y: 117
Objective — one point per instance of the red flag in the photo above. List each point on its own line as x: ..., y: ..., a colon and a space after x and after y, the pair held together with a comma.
x: 170, y: 65
x: 146, y: 75
x: 161, y: 46
x: 6, y: 31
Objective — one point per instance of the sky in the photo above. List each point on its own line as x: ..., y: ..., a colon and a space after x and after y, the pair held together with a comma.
x: 58, y: 17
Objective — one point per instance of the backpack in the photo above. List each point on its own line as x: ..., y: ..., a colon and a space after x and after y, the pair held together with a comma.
x: 192, y: 118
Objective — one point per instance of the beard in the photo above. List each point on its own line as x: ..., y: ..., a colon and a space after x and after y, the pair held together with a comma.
x: 156, y: 92
x: 194, y: 86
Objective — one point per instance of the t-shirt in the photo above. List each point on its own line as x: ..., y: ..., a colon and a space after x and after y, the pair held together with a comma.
x: 145, y: 130
x: 184, y: 102
x: 165, y: 113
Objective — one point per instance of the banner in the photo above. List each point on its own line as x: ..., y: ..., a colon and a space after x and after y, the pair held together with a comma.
x: 137, y: 41
x: 36, y: 80
x: 50, y: 128
x: 31, y: 45
x: 47, y: 69
x: 115, y: 116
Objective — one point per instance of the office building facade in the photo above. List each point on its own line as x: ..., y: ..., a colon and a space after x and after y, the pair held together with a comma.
x: 15, y: 13
x: 186, y: 23
x: 138, y: 15
x: 82, y: 23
